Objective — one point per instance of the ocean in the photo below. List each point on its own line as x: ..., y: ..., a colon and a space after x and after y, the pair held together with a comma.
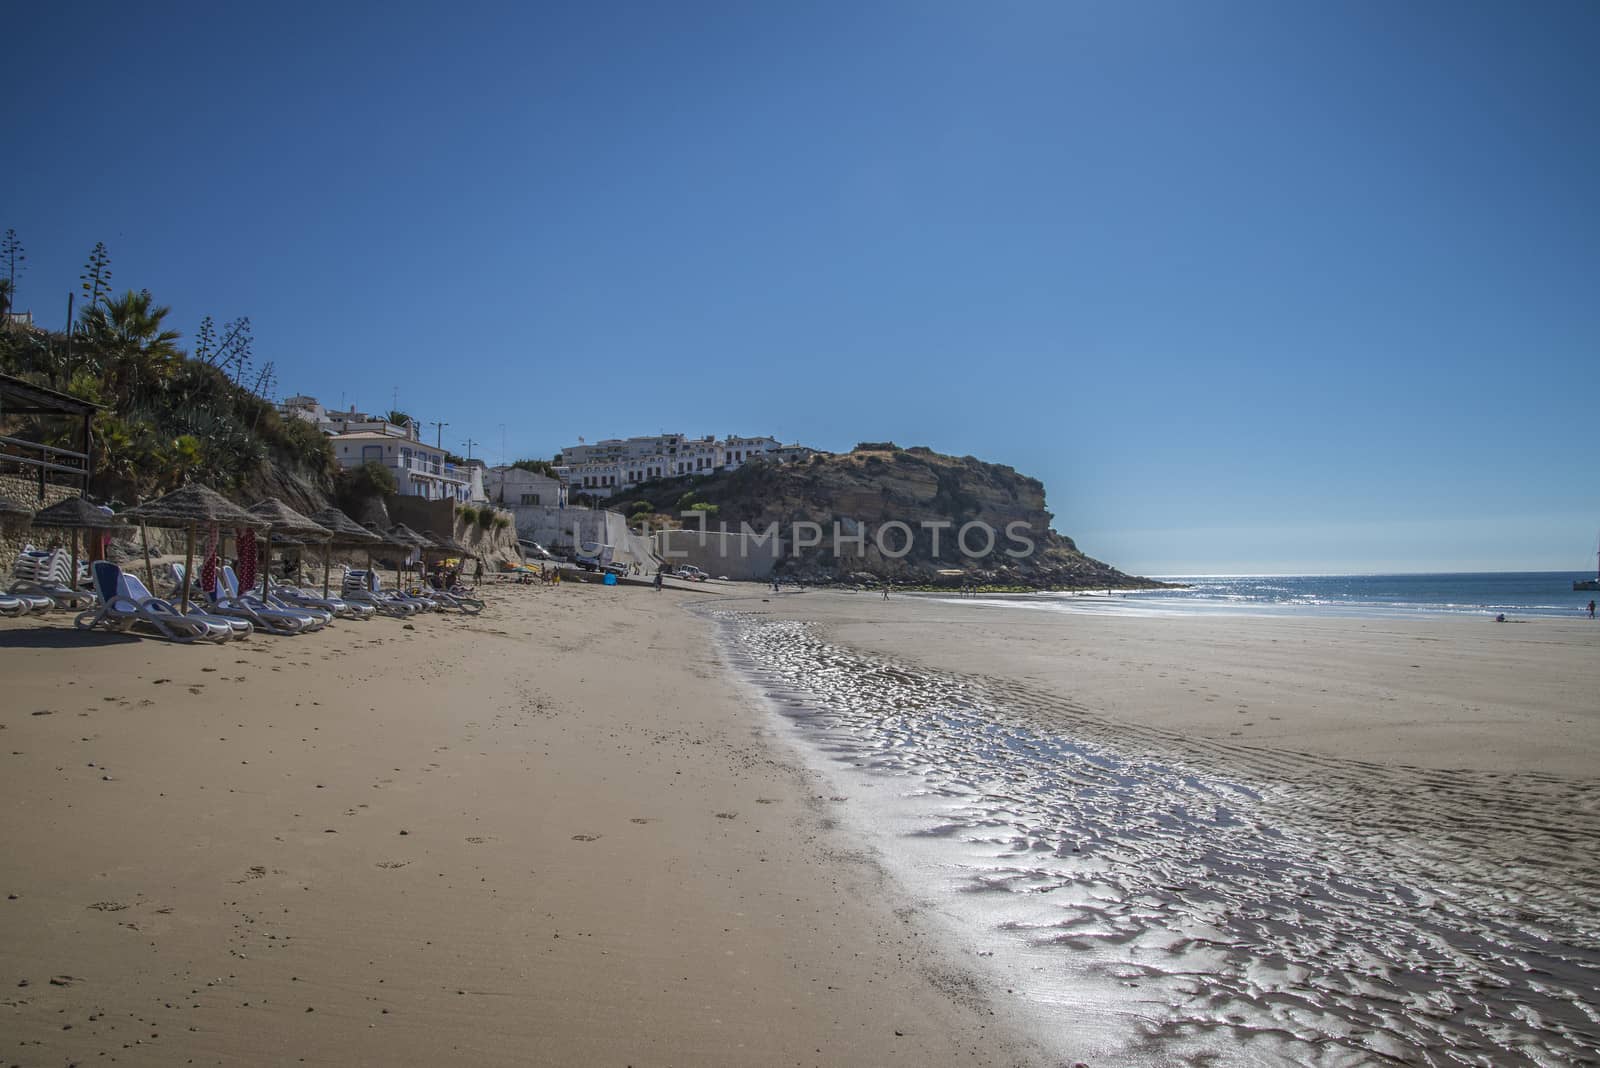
x: 1514, y: 593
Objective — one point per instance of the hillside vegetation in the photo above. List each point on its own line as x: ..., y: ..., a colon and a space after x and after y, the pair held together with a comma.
x: 171, y: 415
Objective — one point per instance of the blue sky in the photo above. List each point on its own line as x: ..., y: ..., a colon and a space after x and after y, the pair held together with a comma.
x: 1251, y: 286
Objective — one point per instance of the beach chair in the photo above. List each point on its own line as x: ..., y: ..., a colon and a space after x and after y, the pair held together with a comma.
x: 268, y: 621
x: 130, y: 586
x: 13, y: 606
x: 295, y: 597
x: 122, y: 605
x: 319, y: 617
x: 364, y: 587
x: 39, y: 573
x: 461, y: 602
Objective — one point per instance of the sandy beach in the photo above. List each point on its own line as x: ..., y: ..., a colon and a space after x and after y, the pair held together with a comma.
x: 553, y: 834
x: 1433, y: 692
x: 1226, y: 839
x: 717, y: 826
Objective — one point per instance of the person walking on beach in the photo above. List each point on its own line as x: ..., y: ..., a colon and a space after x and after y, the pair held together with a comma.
x: 885, y: 591
x: 660, y: 572
x: 1591, y: 608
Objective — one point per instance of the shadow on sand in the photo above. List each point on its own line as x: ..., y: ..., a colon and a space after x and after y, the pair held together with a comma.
x: 62, y: 638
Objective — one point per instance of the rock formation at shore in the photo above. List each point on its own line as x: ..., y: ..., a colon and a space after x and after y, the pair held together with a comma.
x: 878, y: 484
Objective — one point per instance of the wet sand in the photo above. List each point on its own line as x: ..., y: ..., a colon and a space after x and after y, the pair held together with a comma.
x: 1435, y: 692
x: 552, y: 834
x: 1188, y: 840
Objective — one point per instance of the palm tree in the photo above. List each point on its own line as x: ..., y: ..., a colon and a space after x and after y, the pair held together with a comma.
x: 125, y: 338
x: 399, y: 418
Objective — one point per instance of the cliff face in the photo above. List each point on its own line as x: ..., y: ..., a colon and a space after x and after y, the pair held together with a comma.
x: 868, y: 492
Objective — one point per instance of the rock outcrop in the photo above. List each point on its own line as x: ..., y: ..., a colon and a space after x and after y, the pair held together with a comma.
x: 908, y: 516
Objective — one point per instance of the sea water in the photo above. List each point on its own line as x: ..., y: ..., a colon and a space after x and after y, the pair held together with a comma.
x: 1516, y: 594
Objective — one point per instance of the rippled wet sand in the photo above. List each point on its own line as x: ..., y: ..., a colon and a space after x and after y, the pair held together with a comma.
x: 1207, y: 904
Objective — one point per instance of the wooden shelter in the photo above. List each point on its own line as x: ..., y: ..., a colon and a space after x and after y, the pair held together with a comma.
x: 20, y: 397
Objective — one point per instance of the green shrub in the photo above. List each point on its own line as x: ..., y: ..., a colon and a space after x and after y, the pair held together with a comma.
x: 371, y: 479
x: 641, y: 506
x: 501, y: 522
x: 686, y: 502
x: 467, y: 514
x: 485, y: 518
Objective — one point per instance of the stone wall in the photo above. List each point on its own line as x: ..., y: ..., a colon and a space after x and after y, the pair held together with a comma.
x: 23, y: 490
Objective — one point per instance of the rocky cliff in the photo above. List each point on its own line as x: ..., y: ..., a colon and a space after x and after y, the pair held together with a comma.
x: 882, y: 512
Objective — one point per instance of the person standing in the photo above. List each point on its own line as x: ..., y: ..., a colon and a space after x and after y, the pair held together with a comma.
x: 660, y: 573
x: 1591, y: 608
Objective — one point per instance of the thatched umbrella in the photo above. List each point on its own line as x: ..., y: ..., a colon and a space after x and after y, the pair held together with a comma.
x: 345, y: 532
x: 285, y: 520
x: 412, y: 539
x: 188, y: 508
x: 448, y: 544
x: 388, y: 538
x: 77, y: 514
x: 12, y: 512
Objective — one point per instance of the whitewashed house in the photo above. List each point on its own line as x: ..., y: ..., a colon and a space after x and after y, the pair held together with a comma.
x: 419, y: 471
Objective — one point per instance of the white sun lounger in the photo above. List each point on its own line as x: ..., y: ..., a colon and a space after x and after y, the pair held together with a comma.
x: 319, y: 617
x: 124, y: 604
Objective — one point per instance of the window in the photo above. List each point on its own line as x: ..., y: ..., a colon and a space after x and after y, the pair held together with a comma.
x: 530, y: 498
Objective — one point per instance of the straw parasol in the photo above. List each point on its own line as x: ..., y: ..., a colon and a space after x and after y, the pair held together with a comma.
x: 344, y: 531
x: 12, y: 512
x: 188, y: 508
x: 388, y: 538
x: 412, y: 539
x: 76, y: 514
x: 448, y: 544
x: 284, y: 520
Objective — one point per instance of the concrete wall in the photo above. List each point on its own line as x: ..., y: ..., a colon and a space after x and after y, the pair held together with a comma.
x: 565, y: 528
x: 738, y: 556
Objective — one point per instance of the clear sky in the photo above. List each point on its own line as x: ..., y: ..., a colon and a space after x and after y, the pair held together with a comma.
x: 1252, y: 286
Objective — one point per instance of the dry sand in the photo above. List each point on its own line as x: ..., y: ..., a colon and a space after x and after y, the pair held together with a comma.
x: 551, y: 834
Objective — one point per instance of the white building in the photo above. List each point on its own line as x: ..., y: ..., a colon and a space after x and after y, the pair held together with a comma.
x: 603, y: 468
x: 793, y: 454
x: 477, y: 481
x: 339, y: 422
x: 515, y: 487
x: 418, y: 470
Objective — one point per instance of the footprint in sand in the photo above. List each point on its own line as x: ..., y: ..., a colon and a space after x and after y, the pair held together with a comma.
x: 727, y: 815
x: 393, y: 863
x: 587, y: 837
x: 108, y: 906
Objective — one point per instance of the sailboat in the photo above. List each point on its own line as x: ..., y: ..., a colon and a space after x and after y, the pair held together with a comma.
x: 1590, y: 584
